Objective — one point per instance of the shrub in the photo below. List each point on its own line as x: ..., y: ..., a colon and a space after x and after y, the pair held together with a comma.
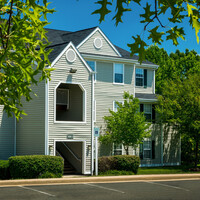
x: 127, y: 163
x: 4, y: 169
x: 120, y: 163
x: 35, y: 165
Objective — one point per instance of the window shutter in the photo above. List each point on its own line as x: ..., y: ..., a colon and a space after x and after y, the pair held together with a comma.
x: 141, y: 151
x: 145, y: 78
x: 153, y: 113
x: 153, y: 149
x: 141, y: 107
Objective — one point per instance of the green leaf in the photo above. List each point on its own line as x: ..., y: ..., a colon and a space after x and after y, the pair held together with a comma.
x: 194, y: 18
x: 103, y: 11
x: 174, y: 34
x: 148, y: 13
x: 120, y: 11
x: 156, y: 36
x: 138, y: 47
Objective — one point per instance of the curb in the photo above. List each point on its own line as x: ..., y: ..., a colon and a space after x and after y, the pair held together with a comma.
x: 104, y: 179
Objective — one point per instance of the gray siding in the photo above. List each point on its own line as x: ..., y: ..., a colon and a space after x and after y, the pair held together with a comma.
x: 31, y: 129
x: 150, y: 85
x: 88, y: 46
x: 79, y: 130
x: 106, y: 91
x: 7, y: 135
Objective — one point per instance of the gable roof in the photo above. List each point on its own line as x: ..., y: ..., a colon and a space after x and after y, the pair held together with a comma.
x: 60, y: 39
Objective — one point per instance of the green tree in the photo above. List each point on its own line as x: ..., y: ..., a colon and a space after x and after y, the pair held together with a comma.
x: 127, y: 126
x: 178, y: 65
x: 173, y: 29
x: 23, y: 51
x: 179, y: 105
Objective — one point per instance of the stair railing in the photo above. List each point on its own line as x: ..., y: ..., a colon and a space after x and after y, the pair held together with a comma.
x: 75, y: 156
x: 58, y: 153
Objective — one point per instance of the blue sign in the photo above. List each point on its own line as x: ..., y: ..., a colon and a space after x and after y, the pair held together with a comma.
x: 96, y: 132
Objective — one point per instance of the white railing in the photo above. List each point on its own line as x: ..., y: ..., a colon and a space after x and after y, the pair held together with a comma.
x: 75, y: 156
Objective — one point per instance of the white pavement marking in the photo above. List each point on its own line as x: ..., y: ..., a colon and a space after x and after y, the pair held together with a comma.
x: 28, y: 188
x: 105, y: 188
x: 167, y: 186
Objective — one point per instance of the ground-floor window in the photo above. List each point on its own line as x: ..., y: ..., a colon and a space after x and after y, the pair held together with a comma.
x: 147, y: 149
x: 117, y: 149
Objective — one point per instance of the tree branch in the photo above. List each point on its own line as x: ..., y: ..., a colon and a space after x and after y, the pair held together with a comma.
x: 9, y: 23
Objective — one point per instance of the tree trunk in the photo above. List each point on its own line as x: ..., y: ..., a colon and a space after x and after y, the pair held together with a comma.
x: 126, y: 149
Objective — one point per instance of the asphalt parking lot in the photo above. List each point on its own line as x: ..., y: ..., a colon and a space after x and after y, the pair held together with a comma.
x: 143, y: 190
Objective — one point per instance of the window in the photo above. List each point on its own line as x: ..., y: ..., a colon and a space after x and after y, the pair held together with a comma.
x: 62, y: 98
x: 146, y: 149
x: 115, y: 106
x: 117, y: 149
x: 148, y: 112
x: 118, y: 73
x: 139, y: 74
x: 92, y: 65
x: 141, y: 77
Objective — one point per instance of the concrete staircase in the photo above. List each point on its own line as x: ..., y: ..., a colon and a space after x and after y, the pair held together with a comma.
x: 68, y: 168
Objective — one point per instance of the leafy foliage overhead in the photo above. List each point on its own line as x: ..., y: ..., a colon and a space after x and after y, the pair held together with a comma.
x: 23, y: 51
x: 153, y: 12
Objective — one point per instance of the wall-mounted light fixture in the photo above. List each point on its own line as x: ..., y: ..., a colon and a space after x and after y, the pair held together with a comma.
x: 72, y: 70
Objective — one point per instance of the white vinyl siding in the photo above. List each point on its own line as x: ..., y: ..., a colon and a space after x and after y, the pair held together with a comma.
x: 81, y: 130
x: 88, y: 46
x: 7, y: 135
x: 31, y: 128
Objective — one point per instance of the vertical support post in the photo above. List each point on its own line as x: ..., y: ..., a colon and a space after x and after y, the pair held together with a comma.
x: 92, y: 125
x: 161, y: 143
x: 96, y: 156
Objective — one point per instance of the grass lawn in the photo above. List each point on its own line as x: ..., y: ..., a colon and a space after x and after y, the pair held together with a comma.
x: 152, y: 170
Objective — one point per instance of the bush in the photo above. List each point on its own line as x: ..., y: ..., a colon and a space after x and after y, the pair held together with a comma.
x: 35, y: 166
x: 120, y: 163
x: 115, y: 173
x: 4, y: 169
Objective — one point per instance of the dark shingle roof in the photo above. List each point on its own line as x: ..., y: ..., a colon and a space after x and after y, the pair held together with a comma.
x: 127, y: 55
x: 145, y: 96
x: 59, y: 40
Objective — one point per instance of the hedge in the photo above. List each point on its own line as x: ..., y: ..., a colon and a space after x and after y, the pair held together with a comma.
x: 4, y: 169
x: 119, y: 162
x: 35, y: 166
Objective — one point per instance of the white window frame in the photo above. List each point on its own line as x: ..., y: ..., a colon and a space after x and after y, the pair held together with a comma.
x: 84, y: 105
x: 95, y: 69
x: 114, y: 102
x: 139, y: 77
x: 114, y: 74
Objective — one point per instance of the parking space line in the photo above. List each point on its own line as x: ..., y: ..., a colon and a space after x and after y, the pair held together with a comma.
x: 167, y: 186
x: 28, y: 188
x: 105, y: 188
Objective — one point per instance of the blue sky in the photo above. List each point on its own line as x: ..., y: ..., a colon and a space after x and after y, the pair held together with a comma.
x: 73, y: 15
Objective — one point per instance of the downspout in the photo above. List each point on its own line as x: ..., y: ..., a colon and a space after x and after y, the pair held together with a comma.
x: 15, y: 138
x: 134, y: 80
x: 161, y: 143
x: 46, y: 117
x: 92, y: 124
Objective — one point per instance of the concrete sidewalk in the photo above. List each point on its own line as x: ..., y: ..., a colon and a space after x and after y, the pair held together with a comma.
x: 98, y: 179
